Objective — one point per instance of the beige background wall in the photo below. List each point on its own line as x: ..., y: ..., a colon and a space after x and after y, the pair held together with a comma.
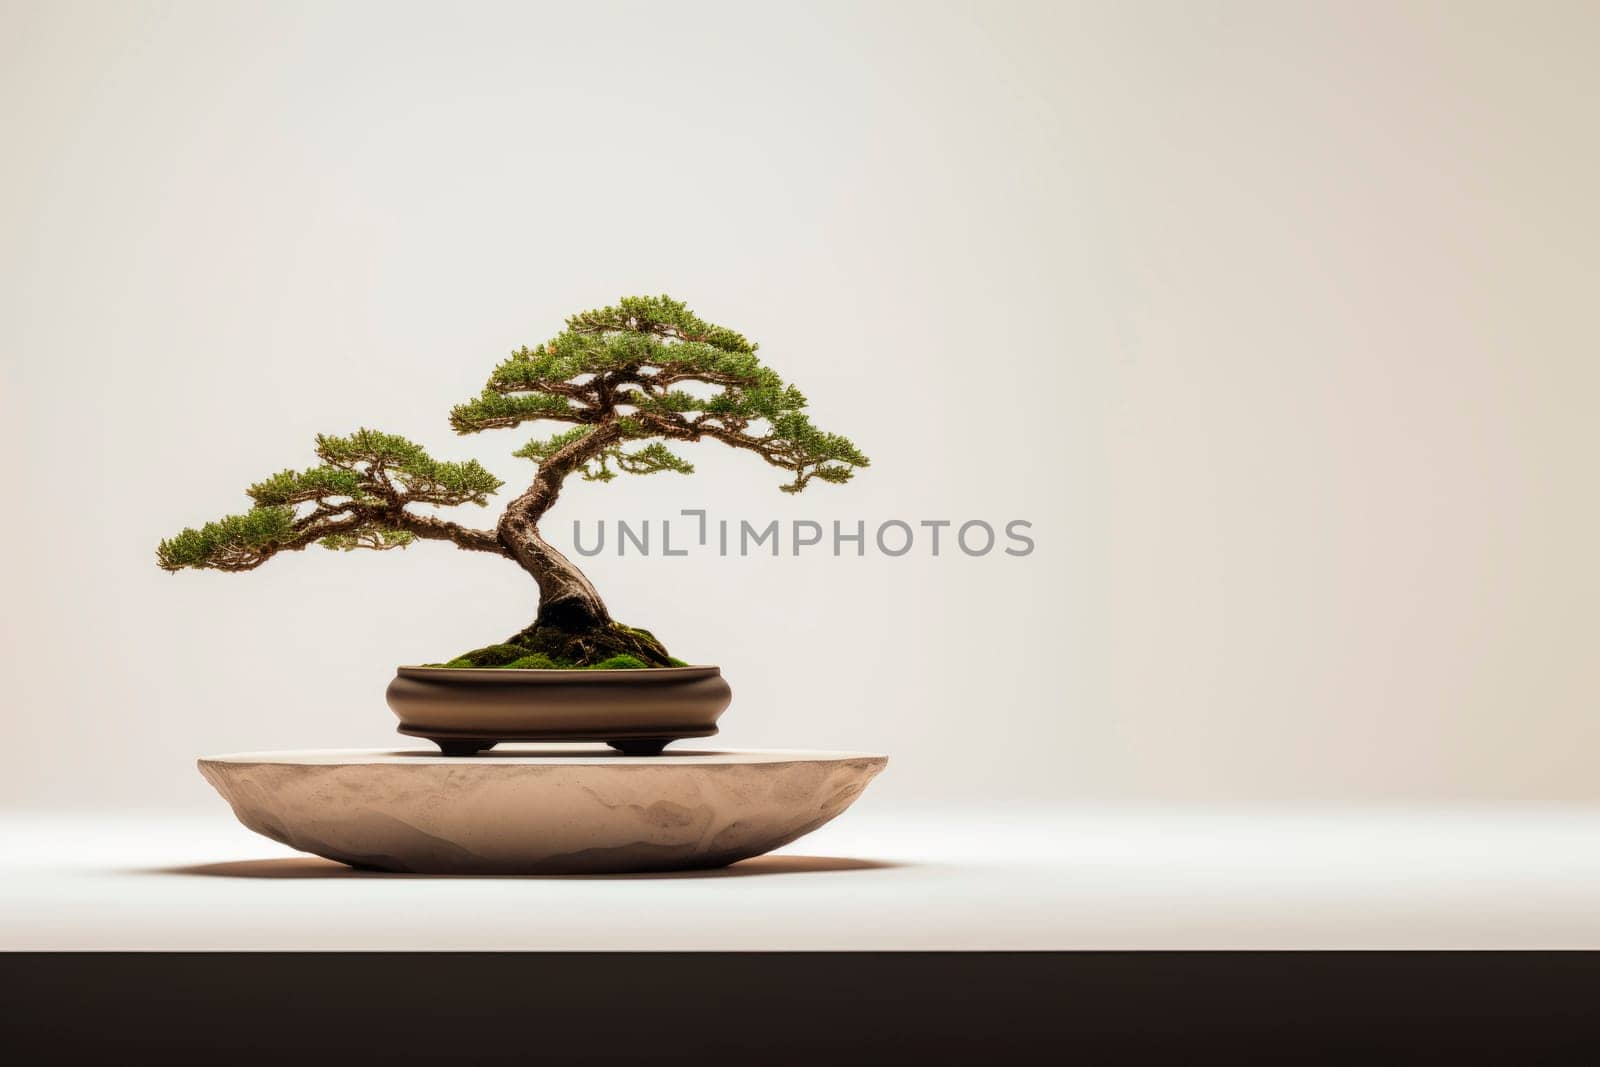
x: 1277, y: 320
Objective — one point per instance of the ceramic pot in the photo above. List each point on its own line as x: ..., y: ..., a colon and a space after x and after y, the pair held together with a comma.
x: 638, y: 712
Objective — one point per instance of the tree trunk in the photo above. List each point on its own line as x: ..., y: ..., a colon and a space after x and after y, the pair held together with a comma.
x: 567, y: 599
x: 573, y: 625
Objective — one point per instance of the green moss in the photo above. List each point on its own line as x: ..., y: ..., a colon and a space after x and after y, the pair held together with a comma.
x: 537, y: 661
x: 620, y: 663
x: 637, y: 633
x: 616, y: 647
x: 489, y: 656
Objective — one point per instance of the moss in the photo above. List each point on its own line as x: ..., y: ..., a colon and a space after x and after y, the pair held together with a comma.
x: 585, y: 648
x: 620, y: 663
x: 637, y: 633
x: 489, y: 656
x: 537, y: 661
x: 616, y: 647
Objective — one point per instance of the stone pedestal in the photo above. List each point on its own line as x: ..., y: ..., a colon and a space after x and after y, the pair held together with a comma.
x: 538, y: 809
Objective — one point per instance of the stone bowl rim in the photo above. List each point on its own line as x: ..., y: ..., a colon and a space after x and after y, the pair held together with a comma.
x: 548, y: 674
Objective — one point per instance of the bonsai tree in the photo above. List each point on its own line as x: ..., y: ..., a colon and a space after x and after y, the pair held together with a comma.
x: 627, y: 379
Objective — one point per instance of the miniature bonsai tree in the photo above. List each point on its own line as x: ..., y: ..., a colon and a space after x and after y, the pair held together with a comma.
x: 627, y: 379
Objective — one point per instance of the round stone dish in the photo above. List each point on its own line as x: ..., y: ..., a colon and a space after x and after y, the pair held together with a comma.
x: 541, y: 809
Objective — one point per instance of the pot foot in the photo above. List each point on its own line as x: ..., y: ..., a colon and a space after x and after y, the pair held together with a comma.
x: 457, y: 747
x: 643, y: 746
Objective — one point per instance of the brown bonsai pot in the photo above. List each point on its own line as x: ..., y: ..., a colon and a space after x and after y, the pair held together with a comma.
x: 465, y: 710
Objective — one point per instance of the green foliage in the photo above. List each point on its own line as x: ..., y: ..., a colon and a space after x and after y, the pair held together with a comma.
x: 491, y: 410
x: 623, y: 363
x: 652, y: 458
x: 540, y: 450
x: 372, y: 456
x: 369, y: 446
x: 669, y: 401
x: 659, y: 316
x: 816, y: 454
x: 354, y: 499
x: 599, y: 469
x: 233, y: 542
x: 317, y: 483
x: 374, y: 537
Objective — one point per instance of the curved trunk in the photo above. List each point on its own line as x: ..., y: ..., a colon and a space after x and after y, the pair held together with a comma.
x: 567, y: 599
x: 573, y: 625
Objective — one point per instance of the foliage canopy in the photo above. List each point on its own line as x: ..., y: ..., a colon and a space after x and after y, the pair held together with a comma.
x: 655, y: 371
x: 630, y: 379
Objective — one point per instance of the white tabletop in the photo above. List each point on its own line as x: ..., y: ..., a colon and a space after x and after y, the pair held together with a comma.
x: 875, y: 878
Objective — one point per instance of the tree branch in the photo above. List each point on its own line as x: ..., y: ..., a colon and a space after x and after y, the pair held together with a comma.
x: 435, y: 529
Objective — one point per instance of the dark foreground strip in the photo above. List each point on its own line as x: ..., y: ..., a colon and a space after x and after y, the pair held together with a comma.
x: 817, y: 1008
